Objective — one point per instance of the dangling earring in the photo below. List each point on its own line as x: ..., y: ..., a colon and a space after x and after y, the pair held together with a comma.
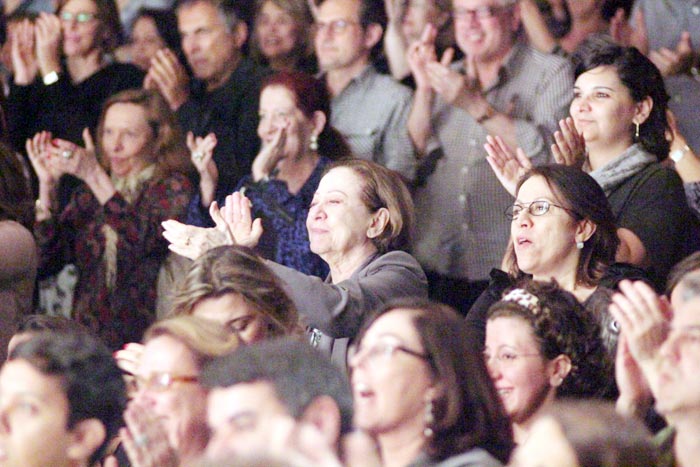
x: 579, y: 245
x: 313, y: 143
x: 636, y: 131
x: 429, y: 420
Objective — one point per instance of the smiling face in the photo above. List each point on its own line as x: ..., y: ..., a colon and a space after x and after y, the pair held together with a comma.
x: 239, y: 418
x: 278, y: 109
x: 545, y: 246
x: 235, y: 314
x: 181, y: 407
x: 521, y: 374
x: 127, y: 138
x: 211, y: 49
x: 486, y: 39
x: 276, y: 32
x: 338, y: 220
x: 678, y: 391
x: 79, y: 39
x: 145, y: 42
x: 391, y: 388
x: 33, y: 407
x: 603, y: 110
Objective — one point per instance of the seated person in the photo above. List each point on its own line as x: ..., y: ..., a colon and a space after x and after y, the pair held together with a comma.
x: 62, y: 401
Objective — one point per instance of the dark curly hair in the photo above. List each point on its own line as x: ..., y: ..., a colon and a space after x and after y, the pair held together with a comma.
x: 562, y: 326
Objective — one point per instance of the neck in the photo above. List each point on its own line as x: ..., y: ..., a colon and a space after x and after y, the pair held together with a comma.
x: 601, y: 154
x: 283, y: 63
x: 401, y: 447
x: 344, y: 264
x: 215, y: 82
x: 83, y: 66
x: 487, y: 70
x: 686, y: 445
x: 338, y: 79
x: 296, y: 172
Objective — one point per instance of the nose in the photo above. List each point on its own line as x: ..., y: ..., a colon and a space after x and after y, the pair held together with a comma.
x: 492, y: 367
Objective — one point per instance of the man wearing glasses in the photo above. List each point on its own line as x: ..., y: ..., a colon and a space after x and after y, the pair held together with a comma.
x: 503, y: 87
x: 368, y: 109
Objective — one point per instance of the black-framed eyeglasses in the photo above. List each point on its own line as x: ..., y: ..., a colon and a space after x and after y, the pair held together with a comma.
x: 80, y: 17
x: 536, y: 208
x: 480, y: 13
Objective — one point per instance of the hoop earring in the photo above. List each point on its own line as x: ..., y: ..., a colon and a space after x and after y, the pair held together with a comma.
x: 636, y: 131
x: 429, y: 420
x: 313, y: 143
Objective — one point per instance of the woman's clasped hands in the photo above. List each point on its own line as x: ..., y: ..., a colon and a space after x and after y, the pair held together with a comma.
x: 52, y: 157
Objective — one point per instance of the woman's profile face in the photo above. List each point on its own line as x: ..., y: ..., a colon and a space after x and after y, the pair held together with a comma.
x: 391, y: 376
x: 234, y: 313
x: 603, y: 109
x: 545, y: 245
x: 276, y: 32
x: 127, y: 138
x: 338, y: 220
x: 80, y: 27
x: 145, y: 42
x: 278, y: 110
x: 517, y: 367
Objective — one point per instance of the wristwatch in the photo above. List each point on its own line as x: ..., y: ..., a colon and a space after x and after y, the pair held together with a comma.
x: 489, y: 113
x: 678, y: 154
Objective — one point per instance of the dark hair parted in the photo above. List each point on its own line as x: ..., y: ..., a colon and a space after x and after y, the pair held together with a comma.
x: 170, y: 153
x: 110, y: 31
x: 383, y: 188
x: 298, y: 373
x: 238, y: 270
x: 89, y: 376
x: 311, y: 95
x: 581, y: 195
x: 562, y: 326
x: 230, y: 11
x: 641, y: 78
x: 469, y: 413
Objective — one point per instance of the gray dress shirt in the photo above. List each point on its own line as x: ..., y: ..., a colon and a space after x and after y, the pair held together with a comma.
x: 371, y: 113
x: 461, y: 229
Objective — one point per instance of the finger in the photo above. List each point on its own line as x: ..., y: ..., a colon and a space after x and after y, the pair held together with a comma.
x: 447, y: 56
x: 87, y: 138
x: 522, y: 158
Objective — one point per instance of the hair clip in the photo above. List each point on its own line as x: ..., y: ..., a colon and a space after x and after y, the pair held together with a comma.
x: 525, y: 299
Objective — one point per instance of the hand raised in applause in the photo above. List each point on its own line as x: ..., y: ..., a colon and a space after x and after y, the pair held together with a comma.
x: 419, y: 54
x: 270, y: 154
x: 569, y: 147
x: 24, y: 63
x: 48, y: 42
x: 202, y: 156
x: 509, y: 167
x: 169, y: 77
x: 145, y: 439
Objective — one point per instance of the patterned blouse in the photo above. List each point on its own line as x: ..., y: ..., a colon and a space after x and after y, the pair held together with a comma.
x: 285, y: 239
x: 119, y: 313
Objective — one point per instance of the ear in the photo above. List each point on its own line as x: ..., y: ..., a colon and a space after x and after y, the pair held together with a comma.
x: 87, y: 436
x: 643, y: 109
x: 585, y: 230
x: 324, y: 414
x: 373, y: 34
x: 319, y: 122
x: 240, y: 34
x: 380, y: 220
x: 558, y: 370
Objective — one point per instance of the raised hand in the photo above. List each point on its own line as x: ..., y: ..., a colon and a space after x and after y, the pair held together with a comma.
x: 48, y: 42
x: 24, y: 62
x: 202, y: 152
x: 237, y: 216
x: 191, y: 241
x: 145, y: 439
x: 569, y: 147
x: 625, y: 34
x: 43, y: 159
x: 420, y: 53
x: 677, y: 61
x: 169, y: 77
x: 509, y: 167
x: 270, y: 154
x: 635, y: 394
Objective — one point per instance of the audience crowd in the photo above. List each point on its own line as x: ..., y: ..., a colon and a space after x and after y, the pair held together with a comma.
x: 325, y: 233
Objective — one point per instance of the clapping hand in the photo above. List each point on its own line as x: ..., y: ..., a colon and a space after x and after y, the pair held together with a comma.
x: 169, y: 77
x: 509, y: 167
x: 202, y: 156
x: 270, y: 154
x: 24, y: 62
x: 145, y: 439
x: 569, y: 147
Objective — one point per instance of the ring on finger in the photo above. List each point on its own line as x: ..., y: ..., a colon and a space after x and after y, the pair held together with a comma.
x: 66, y: 153
x: 141, y: 440
x: 198, y: 155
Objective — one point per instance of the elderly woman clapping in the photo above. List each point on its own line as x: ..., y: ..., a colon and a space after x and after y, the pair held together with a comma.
x: 359, y: 222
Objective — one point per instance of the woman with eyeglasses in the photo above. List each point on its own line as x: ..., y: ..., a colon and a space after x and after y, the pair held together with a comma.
x: 540, y: 345
x: 423, y: 392
x: 63, y: 70
x: 166, y: 420
x: 617, y: 133
x: 562, y: 228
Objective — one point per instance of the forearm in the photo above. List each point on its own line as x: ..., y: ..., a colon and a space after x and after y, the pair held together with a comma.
x: 100, y: 184
x: 418, y: 124
x: 536, y: 27
x: 395, y: 49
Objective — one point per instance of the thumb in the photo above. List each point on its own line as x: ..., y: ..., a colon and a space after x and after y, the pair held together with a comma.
x: 685, y: 44
x: 111, y: 461
x: 447, y: 56
x: 89, y: 143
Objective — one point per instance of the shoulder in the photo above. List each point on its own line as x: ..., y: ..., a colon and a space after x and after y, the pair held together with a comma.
x: 475, y: 457
x: 527, y: 59
x: 390, y: 89
x: 395, y: 259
